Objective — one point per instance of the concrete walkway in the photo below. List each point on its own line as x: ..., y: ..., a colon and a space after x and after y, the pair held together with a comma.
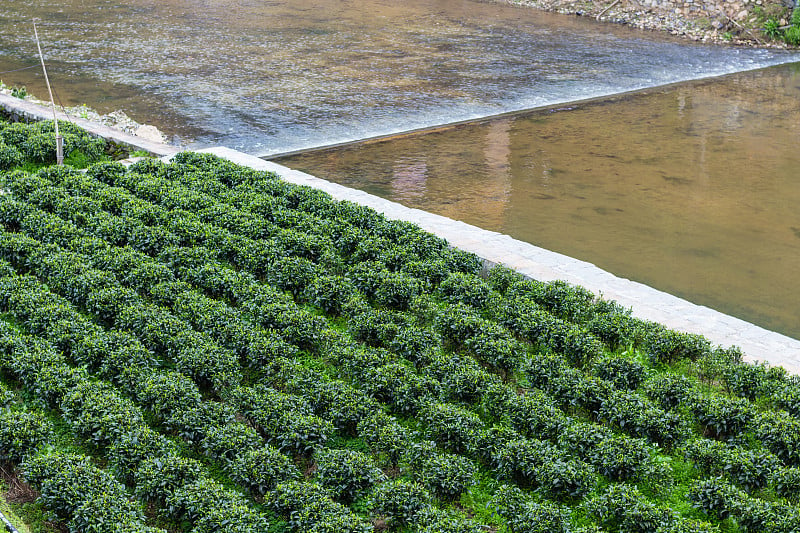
x: 758, y: 344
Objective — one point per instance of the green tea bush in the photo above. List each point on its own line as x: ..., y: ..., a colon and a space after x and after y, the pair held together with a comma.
x: 384, y: 436
x: 623, y: 372
x: 786, y: 483
x: 67, y: 482
x: 309, y: 507
x: 400, y: 387
x: 437, y: 521
x: 664, y: 345
x: 226, y: 443
x: 780, y: 434
x: 787, y: 396
x: 37, y: 140
x: 621, y: 458
x: 447, y: 475
x: 158, y: 477
x: 464, y: 288
x: 213, y: 508
x: 261, y: 469
x: 21, y: 434
x: 669, y: 390
x: 108, y: 513
x: 347, y: 474
x: 623, y: 508
x: 399, y: 501
x: 523, y: 516
x: 10, y: 156
x: 125, y: 454
x: 721, y: 417
x: 99, y: 413
x: 453, y: 428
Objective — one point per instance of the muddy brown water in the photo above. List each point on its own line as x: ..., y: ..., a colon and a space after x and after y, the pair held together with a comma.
x: 693, y: 189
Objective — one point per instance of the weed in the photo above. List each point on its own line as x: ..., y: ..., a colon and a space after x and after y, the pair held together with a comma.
x: 19, y: 92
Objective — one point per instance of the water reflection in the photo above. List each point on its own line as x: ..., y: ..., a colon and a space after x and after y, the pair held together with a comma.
x: 692, y: 189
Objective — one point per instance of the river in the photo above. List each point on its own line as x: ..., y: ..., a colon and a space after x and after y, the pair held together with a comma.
x: 690, y: 188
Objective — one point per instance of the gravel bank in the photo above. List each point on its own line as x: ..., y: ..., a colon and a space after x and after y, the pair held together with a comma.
x: 728, y: 23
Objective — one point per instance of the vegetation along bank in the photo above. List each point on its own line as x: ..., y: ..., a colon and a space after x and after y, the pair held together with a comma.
x: 200, y: 347
x: 774, y: 23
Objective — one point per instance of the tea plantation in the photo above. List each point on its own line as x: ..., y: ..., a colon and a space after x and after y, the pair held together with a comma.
x: 200, y: 347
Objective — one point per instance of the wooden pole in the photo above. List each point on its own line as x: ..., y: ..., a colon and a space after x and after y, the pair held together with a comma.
x: 59, y: 139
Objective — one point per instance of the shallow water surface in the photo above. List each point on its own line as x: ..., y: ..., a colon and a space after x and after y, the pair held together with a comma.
x: 693, y: 189
x: 271, y: 77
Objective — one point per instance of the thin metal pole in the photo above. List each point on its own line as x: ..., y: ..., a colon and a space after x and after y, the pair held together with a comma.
x: 59, y: 139
x: 8, y: 526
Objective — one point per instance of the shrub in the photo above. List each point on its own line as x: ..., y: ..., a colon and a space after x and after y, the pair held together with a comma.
x: 65, y: 482
x: 384, y: 435
x: 780, y: 433
x: 398, y: 385
x: 107, y: 513
x: 786, y: 483
x: 721, y: 417
x: 623, y: 508
x: 534, y: 415
x: 202, y: 500
x: 635, y: 415
x: 436, y: 521
x: 397, y: 290
x: 98, y: 412
x: 495, y: 347
x: 225, y: 443
x: 400, y: 501
x: 500, y: 278
x: 792, y: 34
x: 310, y: 508
x: 667, y: 346
x: 464, y: 288
x: 451, y: 427
x: 623, y: 372
x: 293, y: 274
x: 158, y: 477
x: 21, y: 434
x: 261, y: 469
x: 448, y: 475
x: 346, y: 473
x: 131, y: 449
x: 669, y: 390
x: 524, y: 516
x: 621, y: 458
x: 331, y: 293
x: 612, y: 324
x: 9, y: 156
x: 715, y: 497
x: 787, y: 396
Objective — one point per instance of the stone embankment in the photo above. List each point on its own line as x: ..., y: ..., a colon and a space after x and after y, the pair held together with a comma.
x: 118, y: 120
x: 734, y: 21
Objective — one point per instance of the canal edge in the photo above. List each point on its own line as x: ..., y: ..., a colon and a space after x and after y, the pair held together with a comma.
x: 758, y: 344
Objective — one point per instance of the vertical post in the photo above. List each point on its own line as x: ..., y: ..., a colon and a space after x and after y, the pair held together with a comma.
x: 59, y: 139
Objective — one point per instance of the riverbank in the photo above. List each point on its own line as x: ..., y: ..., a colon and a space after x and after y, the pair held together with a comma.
x: 118, y: 119
x: 739, y: 22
